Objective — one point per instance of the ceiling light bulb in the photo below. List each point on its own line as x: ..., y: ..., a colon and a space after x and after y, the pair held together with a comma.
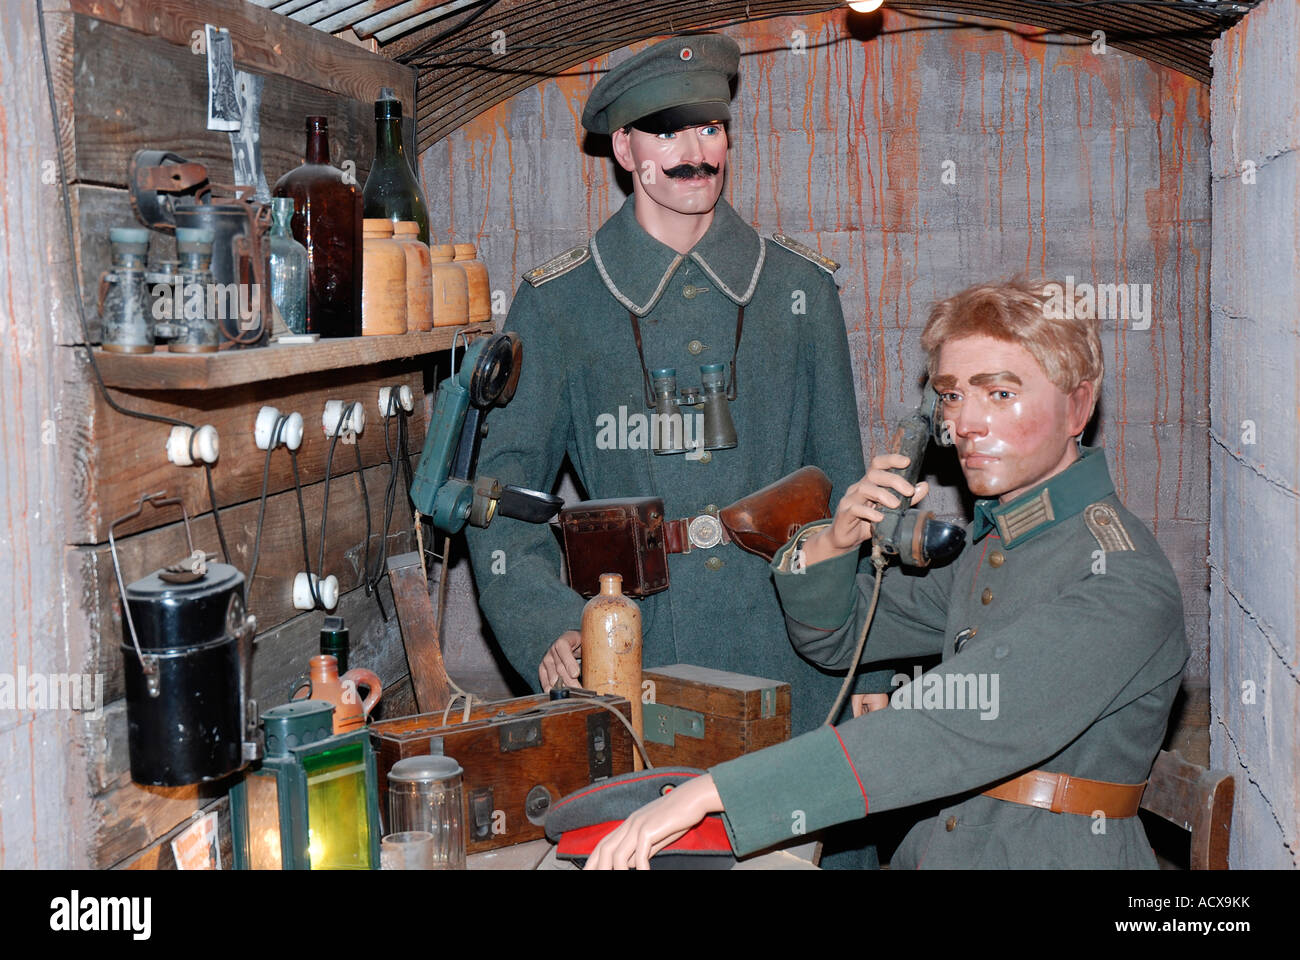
x: 865, y: 6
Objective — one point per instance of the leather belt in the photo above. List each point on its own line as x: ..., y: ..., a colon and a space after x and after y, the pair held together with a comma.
x: 694, y: 533
x: 1062, y: 793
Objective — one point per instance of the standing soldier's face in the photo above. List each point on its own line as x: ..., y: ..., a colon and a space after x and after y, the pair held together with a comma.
x: 680, y: 171
x: 1013, y: 428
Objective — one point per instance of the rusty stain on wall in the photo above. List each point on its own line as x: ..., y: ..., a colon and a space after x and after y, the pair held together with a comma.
x: 1066, y: 162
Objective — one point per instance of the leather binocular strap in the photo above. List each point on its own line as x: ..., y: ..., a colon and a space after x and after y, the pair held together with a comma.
x: 1062, y: 793
x: 645, y: 372
x: 677, y: 535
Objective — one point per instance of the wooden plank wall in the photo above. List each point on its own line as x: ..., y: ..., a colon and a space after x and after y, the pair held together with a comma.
x: 126, y: 79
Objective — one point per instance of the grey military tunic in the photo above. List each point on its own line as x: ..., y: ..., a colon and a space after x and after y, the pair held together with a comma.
x: 1066, y: 599
x: 582, y: 378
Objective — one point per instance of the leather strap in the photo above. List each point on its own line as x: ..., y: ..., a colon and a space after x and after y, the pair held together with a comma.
x: 1062, y: 793
x: 677, y: 537
x: 645, y: 372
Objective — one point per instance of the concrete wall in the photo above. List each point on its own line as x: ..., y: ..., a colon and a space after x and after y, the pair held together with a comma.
x: 1254, y: 430
x: 1063, y: 161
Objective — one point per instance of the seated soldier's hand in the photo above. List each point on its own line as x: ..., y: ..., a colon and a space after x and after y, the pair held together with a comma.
x: 659, y: 823
x: 860, y: 506
x: 562, y: 662
x: 868, y: 702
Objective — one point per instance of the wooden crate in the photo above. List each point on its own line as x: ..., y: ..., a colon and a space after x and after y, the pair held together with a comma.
x: 699, y: 716
x: 519, y: 757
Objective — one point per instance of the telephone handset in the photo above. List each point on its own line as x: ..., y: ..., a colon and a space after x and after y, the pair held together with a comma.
x: 916, y: 537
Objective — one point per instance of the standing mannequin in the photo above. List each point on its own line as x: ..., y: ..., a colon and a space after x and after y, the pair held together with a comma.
x: 681, y: 261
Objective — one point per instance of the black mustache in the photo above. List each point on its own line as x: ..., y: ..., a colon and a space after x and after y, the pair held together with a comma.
x: 688, y: 171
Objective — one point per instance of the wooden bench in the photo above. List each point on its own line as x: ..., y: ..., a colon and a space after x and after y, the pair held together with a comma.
x: 1197, y: 800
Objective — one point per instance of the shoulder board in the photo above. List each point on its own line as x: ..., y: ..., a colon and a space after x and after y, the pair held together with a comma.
x: 558, y: 265
x: 1105, y: 525
x: 805, y: 251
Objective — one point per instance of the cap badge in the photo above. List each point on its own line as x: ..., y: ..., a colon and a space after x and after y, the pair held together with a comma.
x: 686, y: 53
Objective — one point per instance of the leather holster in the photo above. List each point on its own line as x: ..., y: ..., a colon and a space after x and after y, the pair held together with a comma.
x: 764, y: 521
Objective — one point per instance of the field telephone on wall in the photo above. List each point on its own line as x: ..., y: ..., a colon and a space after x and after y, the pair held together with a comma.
x: 445, y: 487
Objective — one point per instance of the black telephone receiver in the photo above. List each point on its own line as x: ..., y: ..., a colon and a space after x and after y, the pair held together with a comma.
x: 915, y: 536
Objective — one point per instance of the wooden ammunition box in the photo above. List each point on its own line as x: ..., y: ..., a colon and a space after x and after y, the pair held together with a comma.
x: 519, y: 757
x: 699, y: 717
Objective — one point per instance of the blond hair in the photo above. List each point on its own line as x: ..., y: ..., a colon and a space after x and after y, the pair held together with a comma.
x: 1031, y: 314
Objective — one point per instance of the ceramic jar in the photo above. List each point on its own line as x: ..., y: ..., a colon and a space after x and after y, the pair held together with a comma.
x: 419, y: 276
x: 611, y: 646
x: 383, y: 284
x: 476, y: 277
x: 324, y: 683
x: 450, y: 288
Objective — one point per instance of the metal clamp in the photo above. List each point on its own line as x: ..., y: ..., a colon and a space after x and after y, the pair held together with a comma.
x: 149, y: 664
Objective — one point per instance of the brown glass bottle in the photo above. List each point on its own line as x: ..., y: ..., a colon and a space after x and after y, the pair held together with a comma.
x: 328, y: 224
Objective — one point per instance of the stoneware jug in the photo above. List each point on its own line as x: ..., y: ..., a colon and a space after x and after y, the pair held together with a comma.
x: 322, y: 682
x: 611, y: 647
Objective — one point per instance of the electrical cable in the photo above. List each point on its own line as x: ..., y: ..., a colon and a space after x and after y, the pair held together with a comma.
x: 261, y: 506
x: 390, y: 499
x: 302, y: 523
x: 434, y: 40
x: 878, y: 561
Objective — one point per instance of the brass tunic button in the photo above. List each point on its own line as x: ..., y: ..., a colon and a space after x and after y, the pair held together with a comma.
x: 711, y: 508
x: 691, y: 291
x: 713, y: 563
x: 706, y: 456
x: 997, y: 558
x: 986, y: 597
x: 951, y: 824
x: 695, y: 346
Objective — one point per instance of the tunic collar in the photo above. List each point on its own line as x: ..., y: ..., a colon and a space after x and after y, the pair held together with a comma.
x: 1039, y: 508
x: 636, y: 268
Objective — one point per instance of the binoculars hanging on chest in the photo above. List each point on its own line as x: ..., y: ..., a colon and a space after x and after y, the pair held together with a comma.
x: 712, y: 428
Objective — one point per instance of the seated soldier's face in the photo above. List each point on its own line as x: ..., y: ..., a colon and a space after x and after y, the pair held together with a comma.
x: 1012, y: 427
x: 679, y: 171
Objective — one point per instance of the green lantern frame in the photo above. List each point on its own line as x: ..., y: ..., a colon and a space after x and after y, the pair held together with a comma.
x: 307, y: 770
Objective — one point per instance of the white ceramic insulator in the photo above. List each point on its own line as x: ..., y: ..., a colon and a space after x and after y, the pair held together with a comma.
x: 327, y: 588
x: 334, y: 413
x: 405, y: 399
x: 203, y: 441
x: 292, y: 432
x: 264, y: 426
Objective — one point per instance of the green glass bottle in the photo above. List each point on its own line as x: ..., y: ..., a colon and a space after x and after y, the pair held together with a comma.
x: 392, y: 191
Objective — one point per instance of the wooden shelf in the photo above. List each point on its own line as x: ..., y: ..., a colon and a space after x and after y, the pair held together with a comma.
x: 207, y: 371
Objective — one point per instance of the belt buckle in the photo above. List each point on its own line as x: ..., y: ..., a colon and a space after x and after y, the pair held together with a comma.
x: 704, y: 531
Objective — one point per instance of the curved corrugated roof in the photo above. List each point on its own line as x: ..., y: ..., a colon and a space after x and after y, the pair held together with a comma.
x: 460, y: 75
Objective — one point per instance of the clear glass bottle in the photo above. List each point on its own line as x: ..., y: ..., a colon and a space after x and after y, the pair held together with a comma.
x: 392, y: 190
x: 289, y: 267
x: 328, y: 224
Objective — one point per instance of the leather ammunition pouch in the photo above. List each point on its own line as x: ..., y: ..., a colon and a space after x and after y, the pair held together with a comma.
x: 629, y: 535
